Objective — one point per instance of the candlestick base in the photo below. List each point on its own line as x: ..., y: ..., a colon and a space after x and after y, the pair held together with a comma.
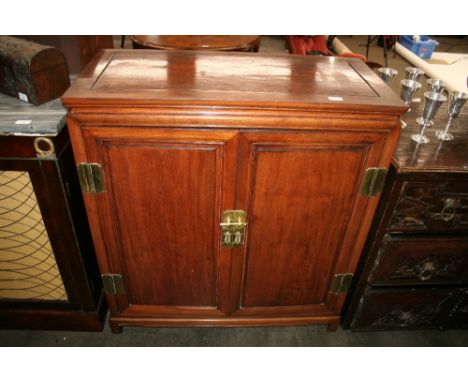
x: 420, y: 138
x: 443, y: 136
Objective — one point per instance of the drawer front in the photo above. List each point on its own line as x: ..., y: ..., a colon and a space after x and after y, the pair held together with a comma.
x: 432, y: 207
x: 458, y: 314
x: 419, y: 260
x: 403, y: 309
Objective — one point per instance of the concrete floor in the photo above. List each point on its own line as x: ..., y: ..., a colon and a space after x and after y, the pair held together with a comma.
x: 272, y: 336
x: 313, y: 335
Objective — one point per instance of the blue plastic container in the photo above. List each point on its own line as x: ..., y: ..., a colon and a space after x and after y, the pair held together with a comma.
x: 423, y: 48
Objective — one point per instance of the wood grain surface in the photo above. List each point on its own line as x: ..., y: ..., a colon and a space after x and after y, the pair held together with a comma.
x: 436, y: 156
x: 197, y: 42
x: 217, y: 79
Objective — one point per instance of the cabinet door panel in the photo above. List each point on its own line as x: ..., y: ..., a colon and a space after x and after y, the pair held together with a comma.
x: 165, y: 193
x: 306, y: 219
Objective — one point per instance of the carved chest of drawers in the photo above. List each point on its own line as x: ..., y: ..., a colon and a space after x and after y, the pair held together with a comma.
x: 229, y: 189
x: 414, y: 271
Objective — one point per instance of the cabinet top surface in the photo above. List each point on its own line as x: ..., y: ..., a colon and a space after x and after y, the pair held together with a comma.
x: 435, y: 156
x: 219, y: 79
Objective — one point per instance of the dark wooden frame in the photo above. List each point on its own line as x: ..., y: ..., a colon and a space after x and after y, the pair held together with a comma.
x: 59, y: 198
x: 379, y: 229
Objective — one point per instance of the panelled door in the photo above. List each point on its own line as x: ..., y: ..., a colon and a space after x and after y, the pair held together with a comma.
x: 306, y: 217
x: 159, y: 215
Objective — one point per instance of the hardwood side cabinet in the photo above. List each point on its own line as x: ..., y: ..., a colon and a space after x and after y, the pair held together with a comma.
x: 414, y: 269
x: 229, y: 188
x: 49, y: 278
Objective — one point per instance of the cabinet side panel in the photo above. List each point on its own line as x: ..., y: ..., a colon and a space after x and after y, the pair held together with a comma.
x: 164, y: 199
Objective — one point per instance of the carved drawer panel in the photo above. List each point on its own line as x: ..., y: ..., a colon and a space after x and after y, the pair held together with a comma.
x: 421, y: 260
x: 381, y: 309
x: 458, y: 314
x: 431, y: 207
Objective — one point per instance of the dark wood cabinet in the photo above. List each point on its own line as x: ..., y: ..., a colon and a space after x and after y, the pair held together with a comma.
x: 78, y: 50
x: 49, y: 278
x: 414, y: 269
x: 171, y: 143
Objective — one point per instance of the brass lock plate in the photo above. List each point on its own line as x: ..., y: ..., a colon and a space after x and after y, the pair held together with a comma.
x: 233, y: 228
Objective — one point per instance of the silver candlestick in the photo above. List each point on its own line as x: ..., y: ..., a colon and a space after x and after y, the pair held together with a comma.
x: 436, y: 86
x: 456, y: 102
x: 408, y: 90
x: 387, y: 74
x: 413, y: 73
x: 433, y: 102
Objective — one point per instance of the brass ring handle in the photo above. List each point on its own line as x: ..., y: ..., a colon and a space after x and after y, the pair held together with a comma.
x: 425, y: 275
x: 426, y: 271
x: 49, y: 152
x: 448, y: 211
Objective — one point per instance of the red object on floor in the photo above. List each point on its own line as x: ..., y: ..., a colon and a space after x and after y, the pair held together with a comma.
x: 308, y: 44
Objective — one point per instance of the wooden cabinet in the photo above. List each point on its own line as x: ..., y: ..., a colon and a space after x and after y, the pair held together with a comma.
x: 176, y: 139
x: 49, y: 277
x: 414, y: 269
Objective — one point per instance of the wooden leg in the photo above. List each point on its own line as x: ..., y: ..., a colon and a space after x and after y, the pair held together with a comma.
x: 368, y: 45
x: 333, y: 327
x: 115, y: 328
x: 385, y: 50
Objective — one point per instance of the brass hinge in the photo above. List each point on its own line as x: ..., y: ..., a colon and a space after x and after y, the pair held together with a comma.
x: 91, y: 178
x: 341, y: 283
x: 113, y: 283
x: 373, y: 181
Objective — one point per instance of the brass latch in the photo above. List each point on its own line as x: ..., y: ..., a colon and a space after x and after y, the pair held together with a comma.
x: 373, y: 181
x: 113, y: 283
x: 341, y: 283
x: 90, y: 176
x: 233, y: 228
